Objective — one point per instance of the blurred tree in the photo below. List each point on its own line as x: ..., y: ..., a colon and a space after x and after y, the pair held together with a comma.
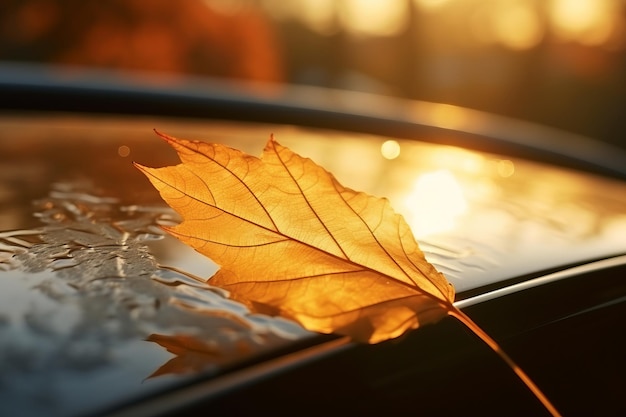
x: 159, y: 35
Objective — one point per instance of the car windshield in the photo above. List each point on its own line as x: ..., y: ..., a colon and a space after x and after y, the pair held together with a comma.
x: 99, y: 305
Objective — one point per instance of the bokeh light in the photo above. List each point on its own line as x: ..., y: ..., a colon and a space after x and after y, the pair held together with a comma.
x: 517, y: 25
x: 587, y: 21
x: 123, y: 151
x: 390, y: 149
x: 505, y: 168
x: 374, y: 17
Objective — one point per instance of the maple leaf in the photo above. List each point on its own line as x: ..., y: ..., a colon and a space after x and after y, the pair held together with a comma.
x: 291, y: 240
x: 289, y: 237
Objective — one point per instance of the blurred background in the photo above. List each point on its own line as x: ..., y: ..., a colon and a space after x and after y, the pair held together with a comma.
x: 557, y: 62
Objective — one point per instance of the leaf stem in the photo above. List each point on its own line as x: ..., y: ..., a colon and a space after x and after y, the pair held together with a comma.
x: 463, y: 318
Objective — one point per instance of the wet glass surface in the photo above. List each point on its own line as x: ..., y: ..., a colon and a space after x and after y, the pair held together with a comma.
x: 85, y: 303
x: 98, y: 305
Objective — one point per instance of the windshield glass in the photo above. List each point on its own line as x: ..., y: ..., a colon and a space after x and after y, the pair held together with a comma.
x: 94, y: 294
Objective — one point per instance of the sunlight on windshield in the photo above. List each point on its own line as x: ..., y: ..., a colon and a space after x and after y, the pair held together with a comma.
x: 480, y: 217
x: 505, y: 168
x: 434, y: 203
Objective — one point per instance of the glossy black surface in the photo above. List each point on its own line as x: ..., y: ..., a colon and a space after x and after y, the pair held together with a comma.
x: 567, y: 335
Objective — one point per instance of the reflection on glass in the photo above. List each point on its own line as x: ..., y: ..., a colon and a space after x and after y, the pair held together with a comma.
x: 390, y: 149
x: 470, y: 163
x: 82, y: 294
x: 83, y: 285
x: 123, y: 151
x: 192, y: 355
x: 505, y: 168
x: 434, y: 203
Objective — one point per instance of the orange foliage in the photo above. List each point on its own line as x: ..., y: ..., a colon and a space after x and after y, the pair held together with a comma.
x: 183, y: 36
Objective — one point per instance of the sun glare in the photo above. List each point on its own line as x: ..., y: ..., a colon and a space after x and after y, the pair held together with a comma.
x: 434, y: 203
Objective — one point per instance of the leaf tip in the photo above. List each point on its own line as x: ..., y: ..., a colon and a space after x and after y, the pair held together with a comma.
x: 142, y: 168
x: 165, y: 137
x: 272, y: 143
x: 138, y: 166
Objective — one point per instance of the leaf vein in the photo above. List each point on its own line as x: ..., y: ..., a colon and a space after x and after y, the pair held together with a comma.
x: 301, y: 278
x: 371, y: 232
x: 295, y: 181
x: 377, y: 304
x: 240, y: 180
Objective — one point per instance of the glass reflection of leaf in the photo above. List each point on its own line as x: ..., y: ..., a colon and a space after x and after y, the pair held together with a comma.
x: 192, y: 354
x: 92, y: 282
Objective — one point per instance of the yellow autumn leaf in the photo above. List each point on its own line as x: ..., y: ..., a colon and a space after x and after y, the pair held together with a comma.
x: 291, y: 240
x: 288, y: 236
